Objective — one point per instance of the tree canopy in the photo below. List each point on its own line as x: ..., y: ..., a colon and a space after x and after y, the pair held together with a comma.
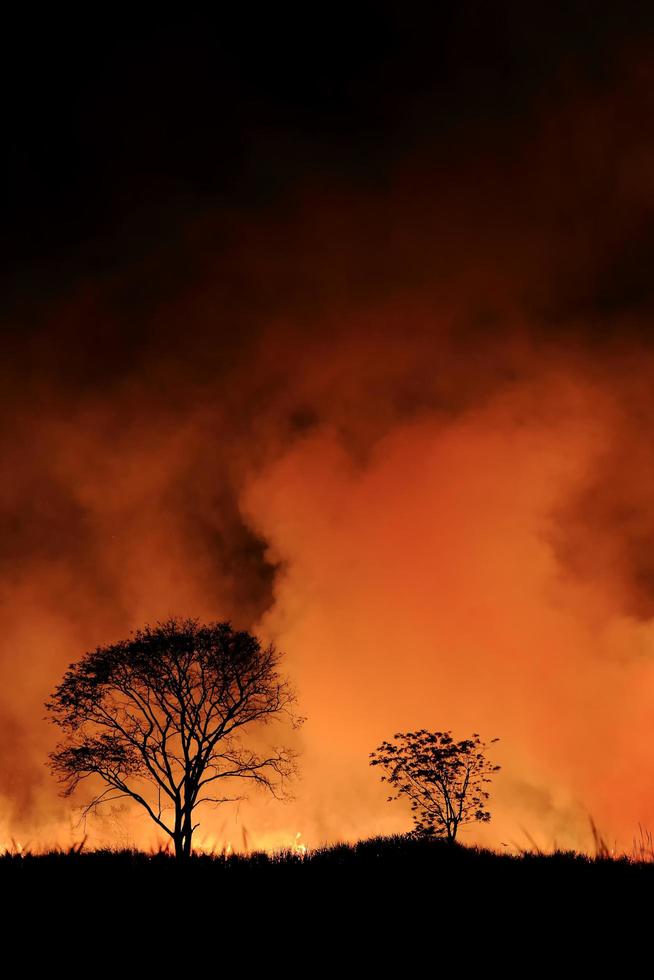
x: 445, y: 780
x: 159, y: 718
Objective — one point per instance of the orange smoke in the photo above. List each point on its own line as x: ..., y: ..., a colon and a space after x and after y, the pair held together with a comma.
x: 404, y: 434
x: 438, y: 601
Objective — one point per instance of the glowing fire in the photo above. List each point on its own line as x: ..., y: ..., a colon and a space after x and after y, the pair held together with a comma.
x: 266, y: 843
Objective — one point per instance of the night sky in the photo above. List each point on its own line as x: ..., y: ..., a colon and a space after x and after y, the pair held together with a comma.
x: 339, y: 325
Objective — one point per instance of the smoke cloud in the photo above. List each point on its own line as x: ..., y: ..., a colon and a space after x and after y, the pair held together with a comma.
x: 399, y: 426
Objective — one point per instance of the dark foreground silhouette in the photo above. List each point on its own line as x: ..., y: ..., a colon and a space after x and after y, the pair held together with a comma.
x: 391, y: 905
x: 379, y: 865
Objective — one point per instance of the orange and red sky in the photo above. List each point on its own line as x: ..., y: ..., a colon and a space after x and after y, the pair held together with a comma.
x: 362, y: 360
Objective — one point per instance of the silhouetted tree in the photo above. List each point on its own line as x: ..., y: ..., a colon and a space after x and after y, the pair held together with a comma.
x: 444, y: 779
x: 159, y: 717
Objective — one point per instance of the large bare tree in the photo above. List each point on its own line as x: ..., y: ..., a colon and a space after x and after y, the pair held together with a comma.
x: 159, y: 718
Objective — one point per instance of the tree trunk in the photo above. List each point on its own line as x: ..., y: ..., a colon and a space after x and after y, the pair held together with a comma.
x: 179, y: 836
x: 183, y: 840
x: 186, y: 834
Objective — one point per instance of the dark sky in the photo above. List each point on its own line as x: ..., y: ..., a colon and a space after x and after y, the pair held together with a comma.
x: 110, y: 131
x: 140, y: 152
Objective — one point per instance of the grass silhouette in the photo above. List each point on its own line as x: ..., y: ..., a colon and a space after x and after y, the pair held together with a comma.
x: 381, y: 892
x: 393, y: 857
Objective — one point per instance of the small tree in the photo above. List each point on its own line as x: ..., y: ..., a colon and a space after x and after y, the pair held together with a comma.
x: 158, y: 718
x: 444, y: 779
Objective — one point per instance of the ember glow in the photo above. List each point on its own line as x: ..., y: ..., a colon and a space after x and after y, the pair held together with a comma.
x: 397, y: 421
